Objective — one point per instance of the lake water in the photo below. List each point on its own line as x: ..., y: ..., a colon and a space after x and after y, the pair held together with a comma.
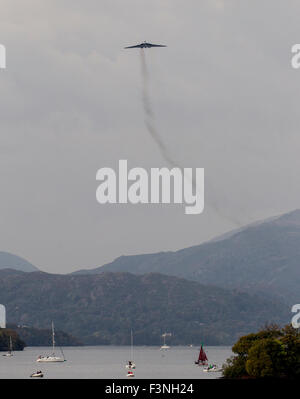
x: 109, y: 362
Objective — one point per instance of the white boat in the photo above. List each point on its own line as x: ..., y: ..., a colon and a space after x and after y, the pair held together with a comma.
x: 9, y: 353
x: 37, y: 374
x: 52, y: 358
x: 165, y: 346
x: 212, y: 368
x: 131, y: 365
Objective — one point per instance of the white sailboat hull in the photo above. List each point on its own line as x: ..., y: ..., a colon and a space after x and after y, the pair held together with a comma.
x: 50, y: 359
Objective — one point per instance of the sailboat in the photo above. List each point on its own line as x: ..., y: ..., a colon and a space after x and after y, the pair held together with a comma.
x: 131, y: 365
x: 165, y: 346
x: 202, y: 358
x: 52, y: 358
x: 9, y: 353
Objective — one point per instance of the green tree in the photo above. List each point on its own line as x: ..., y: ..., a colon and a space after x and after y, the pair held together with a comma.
x: 272, y: 352
x: 235, y: 367
x: 265, y: 358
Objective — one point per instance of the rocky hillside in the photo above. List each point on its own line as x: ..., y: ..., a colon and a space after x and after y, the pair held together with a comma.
x: 263, y: 257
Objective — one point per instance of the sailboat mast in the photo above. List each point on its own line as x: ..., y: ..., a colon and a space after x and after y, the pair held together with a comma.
x: 131, y: 350
x: 53, y: 337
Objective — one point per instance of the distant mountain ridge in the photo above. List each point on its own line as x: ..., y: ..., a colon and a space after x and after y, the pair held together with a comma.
x: 103, y: 308
x: 262, y: 257
x: 10, y: 261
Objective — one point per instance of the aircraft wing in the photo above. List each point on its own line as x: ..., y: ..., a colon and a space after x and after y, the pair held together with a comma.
x: 158, y: 45
x: 137, y: 46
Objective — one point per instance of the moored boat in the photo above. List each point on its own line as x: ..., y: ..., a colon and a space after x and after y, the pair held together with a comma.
x: 52, y: 358
x: 37, y: 374
x: 131, y: 365
x: 212, y: 368
x: 9, y: 353
x: 202, y: 358
x: 165, y: 346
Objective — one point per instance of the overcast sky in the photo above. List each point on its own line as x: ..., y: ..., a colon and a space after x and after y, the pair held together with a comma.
x: 225, y: 98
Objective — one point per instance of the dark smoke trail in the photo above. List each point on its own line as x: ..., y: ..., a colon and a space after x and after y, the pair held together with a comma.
x: 149, y: 115
x: 151, y: 128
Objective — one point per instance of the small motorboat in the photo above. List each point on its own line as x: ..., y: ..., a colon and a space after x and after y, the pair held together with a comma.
x: 212, y: 368
x: 130, y: 373
x: 37, y: 374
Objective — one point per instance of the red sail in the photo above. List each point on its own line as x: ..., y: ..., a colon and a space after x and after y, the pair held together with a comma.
x: 202, y: 356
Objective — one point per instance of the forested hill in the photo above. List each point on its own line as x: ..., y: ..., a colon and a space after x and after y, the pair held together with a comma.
x: 43, y: 337
x: 101, y: 309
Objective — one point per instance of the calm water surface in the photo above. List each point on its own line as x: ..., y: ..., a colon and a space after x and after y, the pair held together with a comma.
x: 109, y: 362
